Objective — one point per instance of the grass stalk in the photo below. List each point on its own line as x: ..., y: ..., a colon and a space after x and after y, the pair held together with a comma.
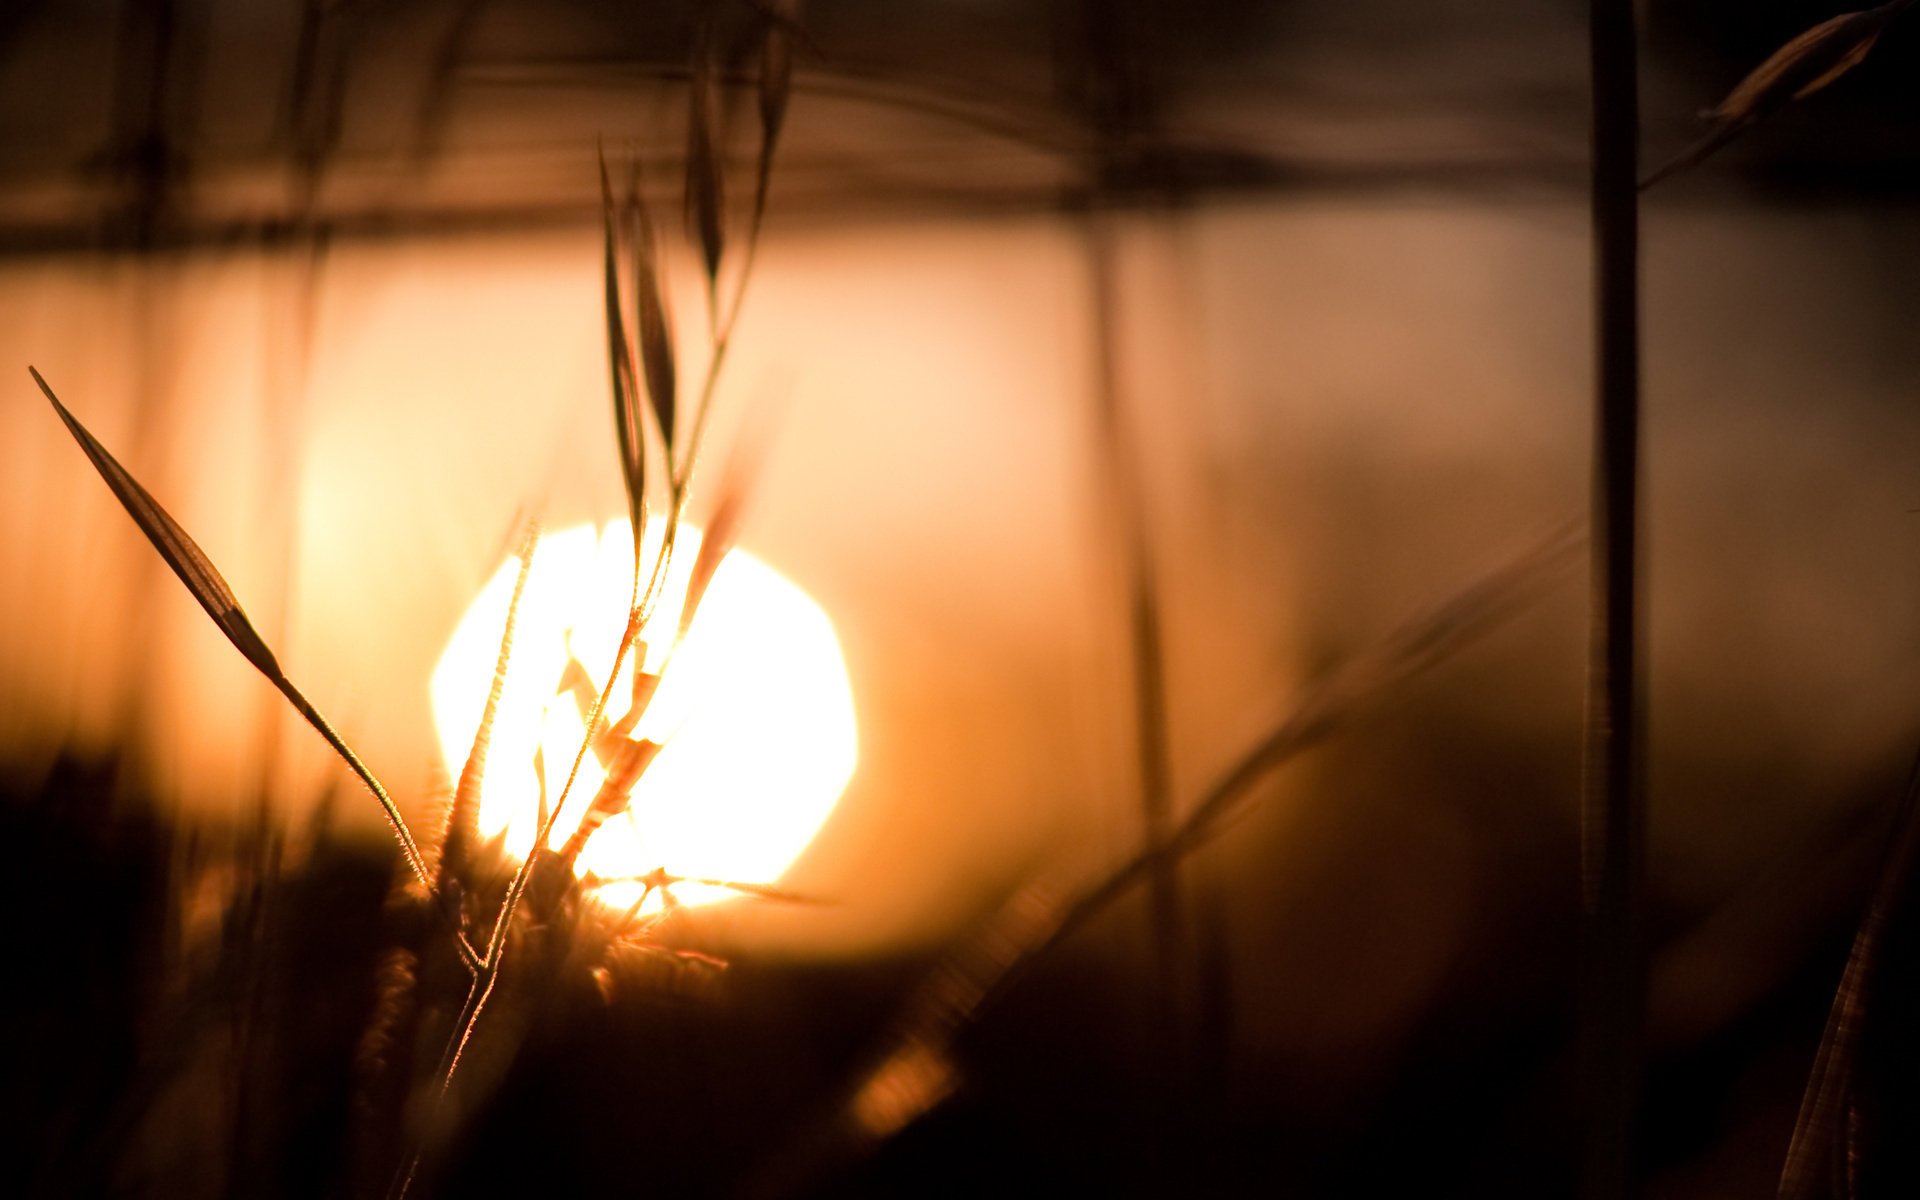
x: 1348, y: 692
x: 703, y: 168
x: 1125, y: 492
x: 1613, y: 834
x: 978, y: 975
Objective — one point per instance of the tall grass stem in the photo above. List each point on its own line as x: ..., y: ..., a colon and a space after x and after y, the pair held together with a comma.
x: 1613, y: 834
x: 1125, y: 492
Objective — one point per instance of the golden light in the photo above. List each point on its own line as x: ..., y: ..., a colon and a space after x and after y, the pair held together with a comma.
x: 754, y: 711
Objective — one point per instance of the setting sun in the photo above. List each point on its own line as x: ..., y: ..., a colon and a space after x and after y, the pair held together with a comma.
x: 754, y: 712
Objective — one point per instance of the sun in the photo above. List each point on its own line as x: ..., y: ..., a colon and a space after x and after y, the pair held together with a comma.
x: 754, y: 711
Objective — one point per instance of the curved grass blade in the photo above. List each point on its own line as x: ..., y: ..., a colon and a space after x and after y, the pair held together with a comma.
x: 1352, y: 689
x: 1034, y: 921
x: 463, y: 815
x: 195, y: 570
x: 179, y: 550
x: 654, y: 325
x: 626, y: 410
x: 1819, y: 1148
x: 1797, y: 70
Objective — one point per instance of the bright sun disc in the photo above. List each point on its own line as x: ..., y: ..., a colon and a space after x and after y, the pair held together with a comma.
x: 754, y: 710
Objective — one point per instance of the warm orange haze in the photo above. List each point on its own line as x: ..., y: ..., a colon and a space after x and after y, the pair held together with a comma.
x: 754, y: 711
x: 1323, y: 599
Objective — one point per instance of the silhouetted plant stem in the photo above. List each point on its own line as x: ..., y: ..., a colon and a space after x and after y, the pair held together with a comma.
x: 1109, y: 81
x: 1823, y: 1151
x: 1125, y: 492
x: 1612, y: 810
x: 911, y: 1074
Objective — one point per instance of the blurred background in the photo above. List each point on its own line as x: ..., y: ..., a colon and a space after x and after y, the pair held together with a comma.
x: 1286, y: 302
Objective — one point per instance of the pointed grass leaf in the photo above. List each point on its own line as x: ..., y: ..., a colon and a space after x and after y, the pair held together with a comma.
x: 179, y: 550
x: 705, y: 198
x: 1797, y: 70
x: 1822, y: 1145
x: 202, y: 579
x: 626, y: 411
x: 654, y: 322
x: 723, y: 527
x: 540, y: 779
x: 463, y: 816
x: 1806, y: 64
x: 1363, y: 683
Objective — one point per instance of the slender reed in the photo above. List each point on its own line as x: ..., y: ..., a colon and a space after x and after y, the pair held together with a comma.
x: 1613, y: 834
x: 911, y: 1073
x: 1125, y: 492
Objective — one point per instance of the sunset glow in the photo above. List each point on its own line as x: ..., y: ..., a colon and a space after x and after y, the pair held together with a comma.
x: 754, y: 711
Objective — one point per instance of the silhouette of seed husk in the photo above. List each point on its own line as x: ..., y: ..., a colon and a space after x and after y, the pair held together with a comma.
x: 1797, y: 70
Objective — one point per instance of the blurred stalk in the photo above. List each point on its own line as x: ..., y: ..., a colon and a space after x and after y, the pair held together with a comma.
x: 1107, y: 76
x: 1613, y: 836
x: 1126, y: 494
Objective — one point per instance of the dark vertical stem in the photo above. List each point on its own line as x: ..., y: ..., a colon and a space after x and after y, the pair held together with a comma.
x: 1106, y: 76
x: 1126, y: 493
x: 1612, y: 812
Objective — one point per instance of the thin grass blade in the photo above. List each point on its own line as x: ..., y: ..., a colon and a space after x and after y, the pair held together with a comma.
x: 205, y: 582
x: 654, y: 324
x: 503, y: 918
x: 1350, y: 691
x: 540, y: 778
x: 179, y: 550
x: 463, y: 815
x: 1819, y: 1148
x: 626, y: 411
x: 706, y: 201
x: 1036, y: 920
x: 723, y: 527
x: 761, y: 891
